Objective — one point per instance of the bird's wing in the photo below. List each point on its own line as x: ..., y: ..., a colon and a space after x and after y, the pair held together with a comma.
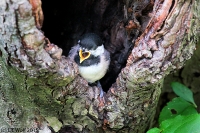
x: 73, y: 51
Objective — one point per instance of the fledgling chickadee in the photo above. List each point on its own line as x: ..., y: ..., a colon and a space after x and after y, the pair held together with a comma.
x: 91, y: 57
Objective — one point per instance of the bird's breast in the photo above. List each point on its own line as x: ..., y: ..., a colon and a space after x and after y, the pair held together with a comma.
x: 94, y: 72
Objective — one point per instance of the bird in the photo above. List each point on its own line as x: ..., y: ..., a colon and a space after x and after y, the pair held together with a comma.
x: 92, y: 58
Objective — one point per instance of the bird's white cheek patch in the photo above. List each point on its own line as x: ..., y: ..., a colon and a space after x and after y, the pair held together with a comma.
x: 98, y: 51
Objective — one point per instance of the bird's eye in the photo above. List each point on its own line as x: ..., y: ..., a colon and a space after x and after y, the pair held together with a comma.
x: 85, y: 54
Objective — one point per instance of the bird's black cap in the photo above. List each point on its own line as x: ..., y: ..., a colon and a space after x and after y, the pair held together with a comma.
x: 90, y: 41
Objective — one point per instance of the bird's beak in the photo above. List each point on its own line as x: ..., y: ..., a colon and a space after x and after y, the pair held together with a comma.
x: 83, y: 55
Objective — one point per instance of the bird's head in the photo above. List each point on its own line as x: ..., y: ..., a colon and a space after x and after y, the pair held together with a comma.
x: 90, y: 45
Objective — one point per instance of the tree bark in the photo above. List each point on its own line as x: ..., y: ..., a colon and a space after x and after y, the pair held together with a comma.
x: 41, y: 90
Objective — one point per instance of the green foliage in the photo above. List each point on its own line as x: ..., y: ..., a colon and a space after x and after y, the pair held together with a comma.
x: 183, y: 92
x: 180, y: 114
x: 177, y: 106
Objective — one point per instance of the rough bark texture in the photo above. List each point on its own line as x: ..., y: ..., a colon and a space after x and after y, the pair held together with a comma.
x: 39, y: 86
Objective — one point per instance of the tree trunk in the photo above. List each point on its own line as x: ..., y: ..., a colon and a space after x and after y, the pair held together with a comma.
x: 41, y: 89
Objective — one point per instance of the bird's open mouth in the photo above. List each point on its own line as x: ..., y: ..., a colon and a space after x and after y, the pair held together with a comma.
x: 83, y: 55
